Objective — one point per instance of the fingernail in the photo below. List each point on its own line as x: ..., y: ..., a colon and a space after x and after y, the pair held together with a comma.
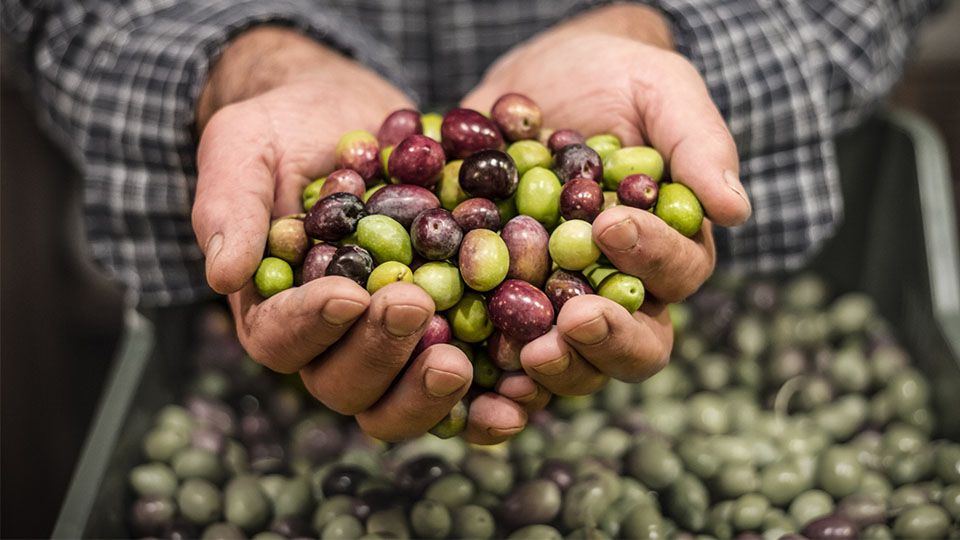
x: 620, y: 237
x: 591, y: 332
x: 403, y: 320
x: 442, y: 383
x: 555, y: 366
x: 504, y: 432
x: 341, y: 311
x: 214, y: 244
x: 733, y: 182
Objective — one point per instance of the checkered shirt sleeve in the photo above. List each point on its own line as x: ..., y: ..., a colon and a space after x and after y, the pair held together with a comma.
x: 118, y: 83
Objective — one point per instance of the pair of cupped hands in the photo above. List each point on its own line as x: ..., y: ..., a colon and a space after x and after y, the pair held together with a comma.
x: 270, y: 114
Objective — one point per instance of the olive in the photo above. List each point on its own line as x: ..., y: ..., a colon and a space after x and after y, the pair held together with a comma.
x: 654, y: 464
x: 484, y: 259
x: 831, y: 527
x: 435, y: 234
x: 153, y: 480
x: 520, y: 310
x: 563, y: 137
x: 638, y: 191
x: 401, y: 202
x: 950, y: 500
x: 688, y: 502
x: 430, y: 519
x: 572, y: 246
x: 536, y: 532
x: 386, y: 273
x: 415, y: 475
x: 526, y: 240
x: 906, y: 497
x: 848, y: 370
x: 311, y: 193
x: 697, y: 457
x: 472, y: 521
x: 198, y: 463
x: 342, y: 527
x: 163, y: 443
x: 623, y: 289
x: 810, y: 505
x: 863, y: 509
x: 392, y: 523
x: 386, y: 239
x: 150, y: 516
x: 644, y: 522
x: 528, y: 154
x: 293, y: 499
x: 341, y: 181
x: 504, y: 351
x: 334, y: 217
x: 534, y: 501
x: 330, y: 508
x: 708, y: 413
x: 359, y: 150
x: 417, y: 160
x: 948, y: 462
x: 343, y: 480
x: 490, y: 174
x: 398, y: 125
x: 631, y: 160
x: 199, y: 501
x: 453, y: 491
x: 922, y: 521
x: 465, y: 132
x: 603, y: 144
x: 490, y: 474
x: 453, y: 423
x: 431, y: 123
x: 222, y: 531
x: 442, y: 281
x: 477, y: 213
x: 748, y: 511
x: 352, y: 262
x: 781, y: 482
x: 538, y: 196
x: 876, y: 532
x: 245, y: 504
x: 736, y: 479
x: 517, y: 116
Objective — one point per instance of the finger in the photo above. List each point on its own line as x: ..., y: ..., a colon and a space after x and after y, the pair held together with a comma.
x: 670, y: 265
x: 355, y: 373
x: 627, y: 347
x: 519, y: 387
x: 493, y: 419
x: 428, y: 389
x: 234, y: 199
x: 289, y: 329
x: 680, y: 119
x: 557, y: 366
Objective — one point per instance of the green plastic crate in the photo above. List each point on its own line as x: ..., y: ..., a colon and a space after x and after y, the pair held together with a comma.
x: 898, y: 243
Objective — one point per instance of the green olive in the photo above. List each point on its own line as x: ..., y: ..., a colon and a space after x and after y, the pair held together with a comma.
x: 153, y: 479
x: 688, y: 502
x: 329, y: 509
x: 430, y: 519
x: 810, y: 505
x: 453, y: 491
x: 644, y: 522
x: 781, y: 482
x: 654, y: 464
x: 453, y: 423
x: 604, y: 144
x: 736, y: 479
x: 442, y: 281
x: 708, y: 413
x: 923, y: 521
x: 162, y: 443
x: 386, y: 273
x: 245, y: 504
x: 449, y: 192
x: 469, y: 319
x: 571, y: 245
x: 536, y: 532
x: 839, y: 472
x: 198, y: 463
x: 431, y: 123
x: 311, y: 193
x: 342, y: 527
x: 485, y: 372
x: 948, y: 463
x: 748, y: 511
x: 293, y: 499
x: 472, y: 521
x: 623, y: 289
x: 538, y: 196
x: 528, y: 154
x: 679, y: 207
x: 199, y: 501
x: 385, y: 239
x: 273, y: 275
x: 490, y: 473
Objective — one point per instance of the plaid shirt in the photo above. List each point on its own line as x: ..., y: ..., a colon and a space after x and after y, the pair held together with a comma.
x: 118, y: 82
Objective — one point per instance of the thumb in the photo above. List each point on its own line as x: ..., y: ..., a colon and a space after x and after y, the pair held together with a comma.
x: 679, y: 118
x: 234, y: 200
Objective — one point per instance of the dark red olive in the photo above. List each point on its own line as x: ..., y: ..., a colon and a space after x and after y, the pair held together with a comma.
x: 417, y: 160
x: 334, y: 217
x: 564, y: 137
x: 465, y: 131
x: 520, y: 310
x: 402, y: 202
x: 438, y: 331
x: 490, y: 174
x: 435, y: 234
x: 398, y: 126
x: 577, y: 161
x: 832, y: 527
x: 504, y: 351
x: 581, y: 198
x: 563, y: 285
x: 343, y: 181
x: 639, y: 191
x: 477, y: 213
x: 527, y: 242
x: 316, y: 262
x: 517, y: 116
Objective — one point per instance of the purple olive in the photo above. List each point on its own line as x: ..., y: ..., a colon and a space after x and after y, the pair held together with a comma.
x: 334, y: 217
x: 527, y: 242
x: 150, y: 515
x: 398, y: 126
x: 352, y: 262
x: 417, y: 160
x: 564, y: 137
x: 490, y: 174
x: 577, y: 161
x: 517, y: 116
x: 831, y: 527
x: 343, y: 181
x: 359, y: 150
x: 504, y: 351
x: 560, y: 472
x: 520, y: 310
x: 291, y: 527
x: 863, y: 509
x: 435, y: 234
x: 581, y: 198
x: 438, y: 331
x: 639, y: 191
x: 316, y: 262
x: 343, y: 480
x: 402, y: 202
x: 416, y: 474
x: 465, y: 131
x: 564, y: 285
x: 477, y: 213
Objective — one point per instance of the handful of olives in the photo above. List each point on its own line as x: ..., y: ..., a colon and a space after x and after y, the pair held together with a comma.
x: 499, y: 236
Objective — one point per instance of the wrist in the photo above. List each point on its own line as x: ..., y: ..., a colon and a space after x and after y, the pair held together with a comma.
x: 638, y: 22
x: 257, y: 61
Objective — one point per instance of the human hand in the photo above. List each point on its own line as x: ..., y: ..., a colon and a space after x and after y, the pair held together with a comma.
x: 613, y: 70
x: 270, y: 116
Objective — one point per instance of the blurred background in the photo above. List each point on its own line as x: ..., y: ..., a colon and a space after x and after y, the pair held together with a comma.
x: 60, y: 319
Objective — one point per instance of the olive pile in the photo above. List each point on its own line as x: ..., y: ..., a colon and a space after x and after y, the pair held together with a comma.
x: 780, y: 416
x: 499, y: 239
